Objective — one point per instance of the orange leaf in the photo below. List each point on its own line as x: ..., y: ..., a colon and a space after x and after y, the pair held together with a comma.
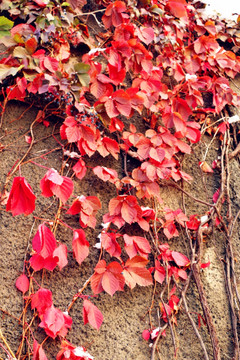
x: 31, y: 45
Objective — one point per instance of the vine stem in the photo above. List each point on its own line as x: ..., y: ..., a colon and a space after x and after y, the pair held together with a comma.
x: 154, y: 348
x: 152, y: 303
x: 92, y: 12
x: 190, y: 196
x: 171, y: 327
x: 6, y: 344
x: 195, y: 271
x: 230, y: 279
x: 77, y: 295
x: 207, y: 312
x: 183, y: 294
x: 19, y: 351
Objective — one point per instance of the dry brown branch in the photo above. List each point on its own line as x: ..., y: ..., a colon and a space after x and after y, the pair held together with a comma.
x: 6, y: 344
x: 229, y: 268
x: 170, y: 325
x: 195, y: 266
x: 154, y: 348
x: 183, y: 295
x: 235, y: 152
x: 206, y: 311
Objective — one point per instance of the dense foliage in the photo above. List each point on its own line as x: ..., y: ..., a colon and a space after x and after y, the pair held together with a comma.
x: 161, y: 60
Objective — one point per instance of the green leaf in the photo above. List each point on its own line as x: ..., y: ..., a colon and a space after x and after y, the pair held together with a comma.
x: 81, y: 68
x: 65, y: 3
x: 59, y: 74
x: 41, y: 21
x: 84, y: 79
x: 5, y: 23
x: 82, y: 71
x: 5, y: 26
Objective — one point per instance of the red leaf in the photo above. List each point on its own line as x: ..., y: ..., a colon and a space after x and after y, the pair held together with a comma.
x: 179, y: 123
x: 22, y: 283
x: 38, y: 262
x: 157, y: 154
x: 170, y: 229
x: 130, y: 209
x: 216, y: 195
x: 116, y: 125
x: 205, y: 265
x: 70, y: 130
x: 123, y: 209
x: 50, y: 64
x: 18, y: 91
x: 110, y: 283
x: 28, y: 139
x: 146, y: 335
x: 159, y: 273
x: 183, y: 147
x: 113, y: 14
x: 54, y: 184
x: 163, y: 311
x: 106, y: 174
x: 193, y: 223
x: 80, y: 245
x: 36, y: 85
x: 66, y: 349
x: 23, y: 29
x: 41, y: 3
x: 180, y: 259
x: 177, y: 8
x: 146, y: 34
x: 115, y: 75
x: 111, y: 108
x: 87, y: 207
x: 44, y: 242
x: 41, y: 300
x: 122, y: 102
x: 135, y: 272
x: 96, y: 283
x: 38, y: 352
x: 92, y: 315
x: 110, y: 244
x: 80, y: 169
x: 61, y: 253
x: 223, y: 127
x: 71, y: 352
x: 21, y: 199
x: 109, y: 146
x: 171, y: 118
x: 182, y: 274
x: 99, y: 89
x: 193, y: 132
x: 55, y: 322
x: 108, y: 278
x: 63, y: 52
x: 136, y: 244
x: 181, y: 106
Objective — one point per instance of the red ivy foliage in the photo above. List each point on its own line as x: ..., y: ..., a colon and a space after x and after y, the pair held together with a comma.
x: 21, y: 199
x: 157, y: 62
